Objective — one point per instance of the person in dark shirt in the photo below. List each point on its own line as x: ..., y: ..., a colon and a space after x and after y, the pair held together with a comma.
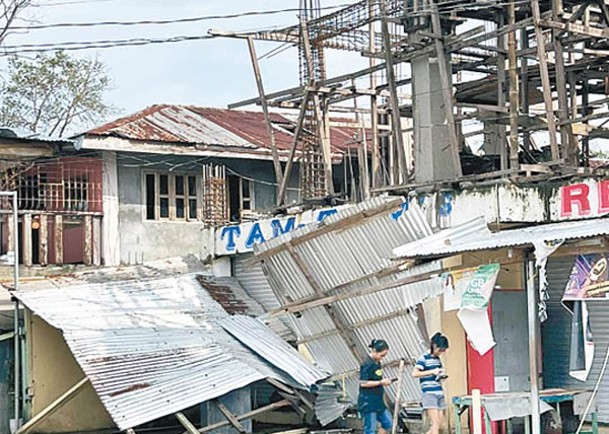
x: 430, y: 372
x: 370, y: 403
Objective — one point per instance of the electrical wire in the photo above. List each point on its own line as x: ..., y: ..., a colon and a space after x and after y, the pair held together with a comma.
x: 172, y: 21
x: 446, y: 7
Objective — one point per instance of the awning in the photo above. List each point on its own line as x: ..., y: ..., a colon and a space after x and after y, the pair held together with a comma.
x: 476, y: 235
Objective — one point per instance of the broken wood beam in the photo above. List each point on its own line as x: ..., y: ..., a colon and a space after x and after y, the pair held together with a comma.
x: 230, y: 417
x: 52, y: 407
x: 545, y: 80
x: 249, y: 415
x: 265, y: 110
x: 188, y: 426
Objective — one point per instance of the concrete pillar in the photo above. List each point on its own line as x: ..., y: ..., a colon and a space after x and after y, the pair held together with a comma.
x: 433, y: 160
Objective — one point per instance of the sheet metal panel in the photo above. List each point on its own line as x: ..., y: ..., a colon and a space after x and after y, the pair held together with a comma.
x: 257, y: 337
x: 138, y: 340
x: 475, y: 235
x: 339, y: 258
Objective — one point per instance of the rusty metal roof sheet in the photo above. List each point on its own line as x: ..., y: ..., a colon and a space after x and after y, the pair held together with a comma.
x: 475, y: 235
x: 191, y: 125
x: 138, y: 340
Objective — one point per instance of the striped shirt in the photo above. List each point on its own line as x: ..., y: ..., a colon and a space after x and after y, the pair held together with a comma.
x: 429, y: 384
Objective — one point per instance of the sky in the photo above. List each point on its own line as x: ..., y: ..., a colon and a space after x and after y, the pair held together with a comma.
x: 210, y: 73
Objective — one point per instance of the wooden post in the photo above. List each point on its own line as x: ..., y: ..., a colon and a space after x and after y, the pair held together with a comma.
x: 88, y: 230
x: 446, y: 88
x: 398, y: 397
x: 43, y: 240
x: 265, y: 110
x: 533, y: 325
x: 524, y: 89
x: 376, y: 155
x: 545, y: 80
x: 59, y: 239
x: 396, y: 118
x: 501, y: 86
x: 567, y: 138
x: 514, y: 110
x: 97, y: 242
x: 288, y: 167
x: 476, y: 412
x: 26, y: 233
x: 362, y: 153
x: 53, y: 407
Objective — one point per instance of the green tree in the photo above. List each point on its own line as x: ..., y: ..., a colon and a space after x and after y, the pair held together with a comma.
x: 54, y: 94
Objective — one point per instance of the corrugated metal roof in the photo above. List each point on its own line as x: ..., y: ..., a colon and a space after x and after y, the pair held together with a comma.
x: 476, y: 235
x: 191, y: 125
x: 257, y: 337
x: 23, y: 134
x: 230, y: 295
x: 348, y: 258
x: 139, y: 340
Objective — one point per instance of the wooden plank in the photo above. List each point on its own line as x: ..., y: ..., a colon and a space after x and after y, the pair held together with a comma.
x: 545, y: 80
x: 97, y: 241
x: 26, y: 234
x: 343, y: 330
x: 232, y: 419
x: 446, y: 90
x: 398, y: 398
x: 576, y: 28
x: 88, y: 235
x: 312, y: 302
x: 394, y: 102
x: 58, y: 228
x: 43, y: 240
x: 190, y: 428
x: 265, y: 110
x: 288, y: 167
x: 53, y: 407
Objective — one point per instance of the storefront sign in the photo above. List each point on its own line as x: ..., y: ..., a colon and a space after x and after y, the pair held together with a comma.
x: 241, y: 238
x: 589, y: 199
x: 589, y: 279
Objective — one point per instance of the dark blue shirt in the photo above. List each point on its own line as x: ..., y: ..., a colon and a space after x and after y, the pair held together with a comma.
x: 370, y: 398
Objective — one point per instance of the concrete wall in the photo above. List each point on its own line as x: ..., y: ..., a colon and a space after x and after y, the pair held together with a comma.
x: 144, y: 240
x: 52, y: 370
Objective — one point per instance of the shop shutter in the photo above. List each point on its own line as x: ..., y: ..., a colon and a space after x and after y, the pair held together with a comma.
x: 556, y: 335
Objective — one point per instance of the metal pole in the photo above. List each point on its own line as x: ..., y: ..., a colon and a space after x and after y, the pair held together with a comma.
x: 16, y: 314
x: 532, y: 320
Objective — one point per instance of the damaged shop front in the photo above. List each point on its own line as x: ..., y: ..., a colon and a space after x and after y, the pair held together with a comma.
x: 562, y: 272
x: 161, y: 352
x: 354, y: 277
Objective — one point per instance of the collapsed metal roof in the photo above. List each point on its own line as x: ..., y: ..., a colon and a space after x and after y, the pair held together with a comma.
x: 475, y: 235
x: 340, y: 260
x: 169, y: 325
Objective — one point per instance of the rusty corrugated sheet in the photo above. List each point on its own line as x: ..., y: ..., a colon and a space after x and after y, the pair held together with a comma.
x: 139, y: 340
x: 191, y: 125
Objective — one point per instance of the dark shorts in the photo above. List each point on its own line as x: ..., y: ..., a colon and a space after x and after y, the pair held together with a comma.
x: 433, y: 400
